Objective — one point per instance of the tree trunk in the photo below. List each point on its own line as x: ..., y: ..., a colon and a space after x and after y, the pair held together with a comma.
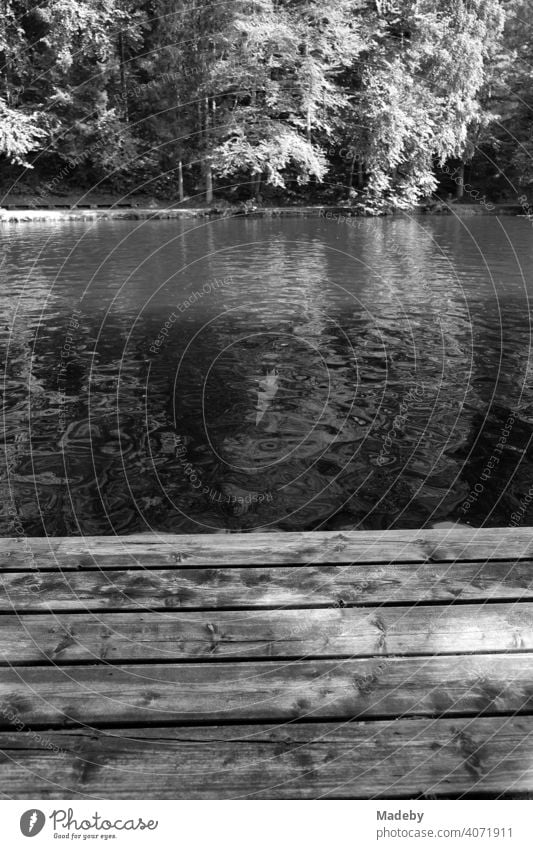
x: 350, y: 176
x: 360, y: 175
x: 207, y: 167
x: 181, y: 195
x: 308, y: 116
x: 257, y: 185
x: 208, y: 181
x: 460, y: 181
x: 123, y: 86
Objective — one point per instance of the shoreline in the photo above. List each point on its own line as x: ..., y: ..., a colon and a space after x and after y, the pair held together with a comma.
x: 103, y: 212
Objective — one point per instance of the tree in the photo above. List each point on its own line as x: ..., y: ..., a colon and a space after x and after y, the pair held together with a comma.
x: 511, y: 100
x: 282, y: 59
x: 125, y: 93
x: 418, y: 95
x: 20, y: 134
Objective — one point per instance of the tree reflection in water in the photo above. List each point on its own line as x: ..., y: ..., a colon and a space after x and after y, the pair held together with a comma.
x: 347, y: 378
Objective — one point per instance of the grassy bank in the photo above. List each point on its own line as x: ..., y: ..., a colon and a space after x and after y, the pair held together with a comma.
x: 100, y: 212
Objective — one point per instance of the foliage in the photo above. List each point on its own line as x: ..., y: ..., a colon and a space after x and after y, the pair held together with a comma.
x: 19, y: 134
x: 269, y: 92
x: 418, y: 99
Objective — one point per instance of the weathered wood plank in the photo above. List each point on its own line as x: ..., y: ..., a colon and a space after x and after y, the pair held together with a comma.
x: 400, y: 759
x: 336, y: 632
x: 262, y: 549
x: 279, y: 586
x: 210, y: 692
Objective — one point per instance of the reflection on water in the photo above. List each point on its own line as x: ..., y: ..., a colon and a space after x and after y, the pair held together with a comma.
x: 238, y: 374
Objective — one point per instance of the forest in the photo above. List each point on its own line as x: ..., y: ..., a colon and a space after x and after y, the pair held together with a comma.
x: 382, y: 104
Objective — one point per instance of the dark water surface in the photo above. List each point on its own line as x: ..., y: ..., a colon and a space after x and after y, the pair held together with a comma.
x: 371, y: 374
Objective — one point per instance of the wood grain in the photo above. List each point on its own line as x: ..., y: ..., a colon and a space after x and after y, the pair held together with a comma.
x: 437, y: 545
x: 268, y: 690
x: 400, y: 759
x: 250, y: 587
x: 376, y: 694
x: 337, y: 632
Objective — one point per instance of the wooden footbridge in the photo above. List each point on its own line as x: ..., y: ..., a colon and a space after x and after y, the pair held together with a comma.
x: 389, y: 664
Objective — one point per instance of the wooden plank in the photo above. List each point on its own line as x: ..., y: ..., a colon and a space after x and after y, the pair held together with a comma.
x: 438, y: 545
x: 211, y: 692
x: 400, y: 759
x: 279, y: 586
x: 336, y: 632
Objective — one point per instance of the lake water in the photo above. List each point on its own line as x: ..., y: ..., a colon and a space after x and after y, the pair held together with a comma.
x: 198, y: 376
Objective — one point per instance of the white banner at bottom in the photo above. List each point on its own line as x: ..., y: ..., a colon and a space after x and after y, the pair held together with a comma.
x: 262, y: 824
